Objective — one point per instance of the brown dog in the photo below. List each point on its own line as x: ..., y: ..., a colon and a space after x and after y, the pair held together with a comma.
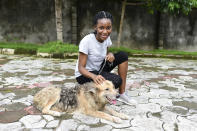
x: 89, y: 99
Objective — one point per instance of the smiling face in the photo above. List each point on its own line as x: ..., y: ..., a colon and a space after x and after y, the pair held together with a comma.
x: 103, y: 29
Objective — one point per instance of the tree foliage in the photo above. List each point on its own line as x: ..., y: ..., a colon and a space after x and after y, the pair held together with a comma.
x: 171, y: 6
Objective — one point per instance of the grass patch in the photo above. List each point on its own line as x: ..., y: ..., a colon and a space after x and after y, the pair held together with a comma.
x: 58, y: 48
x: 162, y: 52
x: 173, y: 52
x: 21, y: 48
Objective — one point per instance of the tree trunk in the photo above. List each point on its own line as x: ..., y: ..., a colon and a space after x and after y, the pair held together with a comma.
x: 121, y: 21
x: 58, y: 14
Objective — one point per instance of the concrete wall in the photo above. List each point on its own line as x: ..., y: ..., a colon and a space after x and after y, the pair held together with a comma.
x: 181, y: 32
x: 138, y: 28
x: 31, y: 21
x: 27, y: 20
x: 34, y: 21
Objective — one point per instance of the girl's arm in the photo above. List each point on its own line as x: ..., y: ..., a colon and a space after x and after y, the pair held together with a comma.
x: 98, y: 79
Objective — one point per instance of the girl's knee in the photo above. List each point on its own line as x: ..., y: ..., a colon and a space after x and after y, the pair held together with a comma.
x: 123, y: 56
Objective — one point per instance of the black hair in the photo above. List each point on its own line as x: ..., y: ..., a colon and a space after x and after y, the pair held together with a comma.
x: 101, y: 15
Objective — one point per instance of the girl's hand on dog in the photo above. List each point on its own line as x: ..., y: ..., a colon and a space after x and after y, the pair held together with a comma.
x: 110, y: 57
x: 98, y: 79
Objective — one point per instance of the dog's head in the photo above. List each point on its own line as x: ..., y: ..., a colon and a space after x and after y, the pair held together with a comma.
x: 106, y: 92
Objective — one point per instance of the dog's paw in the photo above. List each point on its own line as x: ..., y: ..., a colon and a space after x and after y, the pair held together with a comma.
x: 124, y: 117
x: 117, y: 120
x: 57, y: 113
x: 62, y: 113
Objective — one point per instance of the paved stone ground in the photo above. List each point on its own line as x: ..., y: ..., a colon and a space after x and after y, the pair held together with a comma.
x: 164, y: 88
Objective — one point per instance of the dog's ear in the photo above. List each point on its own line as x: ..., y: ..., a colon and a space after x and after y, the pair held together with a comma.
x: 92, y: 90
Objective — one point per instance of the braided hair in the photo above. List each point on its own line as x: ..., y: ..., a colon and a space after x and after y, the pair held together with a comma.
x: 101, y: 15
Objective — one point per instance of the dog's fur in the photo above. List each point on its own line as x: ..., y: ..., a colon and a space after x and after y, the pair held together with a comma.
x: 89, y: 99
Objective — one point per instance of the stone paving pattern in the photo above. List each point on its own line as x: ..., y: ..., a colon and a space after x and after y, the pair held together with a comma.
x: 164, y: 88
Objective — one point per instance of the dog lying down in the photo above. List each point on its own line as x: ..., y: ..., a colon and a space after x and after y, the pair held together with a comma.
x: 89, y: 99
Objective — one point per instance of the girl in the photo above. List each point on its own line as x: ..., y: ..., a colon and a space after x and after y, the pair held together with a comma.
x: 95, y: 62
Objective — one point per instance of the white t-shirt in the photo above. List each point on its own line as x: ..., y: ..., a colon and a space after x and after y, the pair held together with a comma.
x: 95, y: 50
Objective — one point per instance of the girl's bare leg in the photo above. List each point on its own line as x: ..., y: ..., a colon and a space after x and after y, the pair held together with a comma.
x: 122, y: 71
